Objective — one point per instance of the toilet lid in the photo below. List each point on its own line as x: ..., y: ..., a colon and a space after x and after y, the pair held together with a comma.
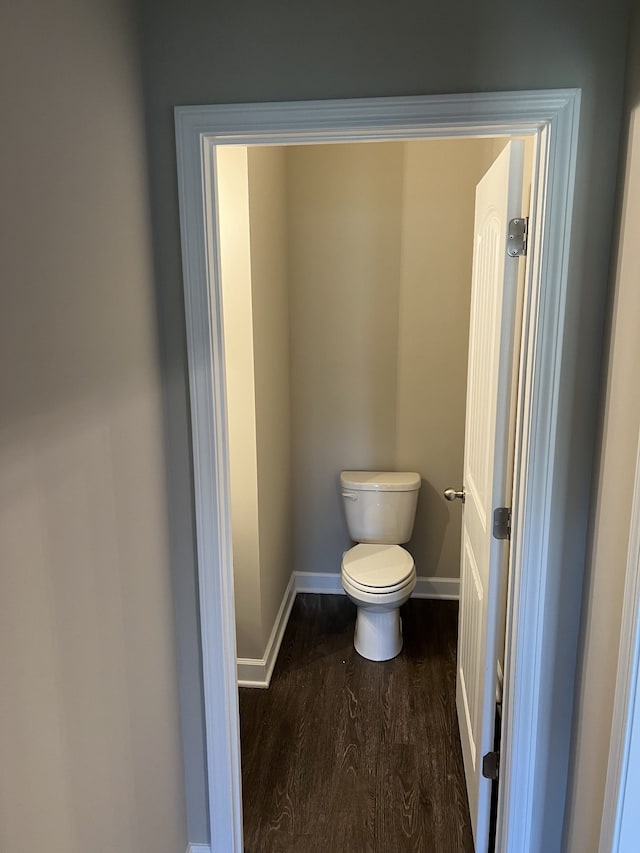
x: 378, y: 566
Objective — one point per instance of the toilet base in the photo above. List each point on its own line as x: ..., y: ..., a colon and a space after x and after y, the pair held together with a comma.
x: 378, y: 633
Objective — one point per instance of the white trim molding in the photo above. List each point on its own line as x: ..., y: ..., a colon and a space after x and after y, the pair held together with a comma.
x: 198, y: 848
x: 620, y: 820
x: 257, y: 673
x: 444, y: 589
x: 319, y: 582
x: 551, y: 118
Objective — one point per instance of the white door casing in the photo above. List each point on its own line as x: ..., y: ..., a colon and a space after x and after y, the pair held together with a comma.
x: 551, y: 118
x: 486, y: 477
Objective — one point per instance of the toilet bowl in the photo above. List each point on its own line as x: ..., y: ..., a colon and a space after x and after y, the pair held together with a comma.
x: 378, y: 574
x: 379, y: 579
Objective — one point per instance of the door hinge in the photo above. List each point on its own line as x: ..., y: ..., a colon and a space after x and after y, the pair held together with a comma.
x: 491, y: 765
x: 491, y: 761
x: 517, y: 237
x: 502, y: 523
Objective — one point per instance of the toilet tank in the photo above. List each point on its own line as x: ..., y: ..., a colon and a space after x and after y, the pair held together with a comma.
x: 380, y: 505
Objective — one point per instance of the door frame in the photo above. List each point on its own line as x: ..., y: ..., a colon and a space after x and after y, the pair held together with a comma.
x: 551, y: 117
x: 620, y: 816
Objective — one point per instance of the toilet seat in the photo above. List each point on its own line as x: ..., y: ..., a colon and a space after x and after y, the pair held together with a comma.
x: 378, y: 568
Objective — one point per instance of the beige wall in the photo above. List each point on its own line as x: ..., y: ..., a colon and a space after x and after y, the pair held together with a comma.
x: 344, y: 206
x: 270, y: 295
x: 610, y: 527
x: 380, y: 287
x: 440, y: 178
x: 380, y: 275
x: 235, y: 266
x: 252, y: 203
x: 89, y: 730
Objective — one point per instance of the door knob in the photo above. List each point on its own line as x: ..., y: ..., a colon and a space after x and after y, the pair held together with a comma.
x: 454, y: 495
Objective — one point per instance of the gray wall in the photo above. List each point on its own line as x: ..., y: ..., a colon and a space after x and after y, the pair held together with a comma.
x: 612, y: 510
x: 205, y: 52
x: 89, y: 718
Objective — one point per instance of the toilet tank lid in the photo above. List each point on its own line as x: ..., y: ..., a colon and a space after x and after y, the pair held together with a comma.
x: 381, y: 481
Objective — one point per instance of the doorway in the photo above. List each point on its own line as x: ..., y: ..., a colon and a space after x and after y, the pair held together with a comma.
x: 346, y: 273
x: 551, y: 119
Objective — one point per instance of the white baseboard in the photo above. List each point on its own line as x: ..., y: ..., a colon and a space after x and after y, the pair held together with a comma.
x: 447, y: 589
x: 198, y: 848
x: 319, y: 582
x: 256, y: 672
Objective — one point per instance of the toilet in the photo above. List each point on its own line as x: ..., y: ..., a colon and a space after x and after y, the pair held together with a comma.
x: 378, y: 574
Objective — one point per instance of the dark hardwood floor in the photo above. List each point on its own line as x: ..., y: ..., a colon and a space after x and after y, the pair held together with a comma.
x: 344, y: 755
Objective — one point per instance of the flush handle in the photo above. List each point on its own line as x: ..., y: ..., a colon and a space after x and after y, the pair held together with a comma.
x: 454, y: 494
x: 350, y: 496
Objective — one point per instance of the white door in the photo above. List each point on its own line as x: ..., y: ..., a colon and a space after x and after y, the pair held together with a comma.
x: 487, y: 479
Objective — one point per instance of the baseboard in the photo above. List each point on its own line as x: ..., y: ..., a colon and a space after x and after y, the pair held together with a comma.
x: 198, y: 848
x: 447, y: 589
x: 319, y: 582
x: 256, y: 672
x: 329, y: 583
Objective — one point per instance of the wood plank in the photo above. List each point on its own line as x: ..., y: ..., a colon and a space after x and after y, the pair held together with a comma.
x: 349, y: 755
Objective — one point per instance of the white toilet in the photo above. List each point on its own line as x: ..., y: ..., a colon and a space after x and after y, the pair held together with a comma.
x: 377, y: 574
